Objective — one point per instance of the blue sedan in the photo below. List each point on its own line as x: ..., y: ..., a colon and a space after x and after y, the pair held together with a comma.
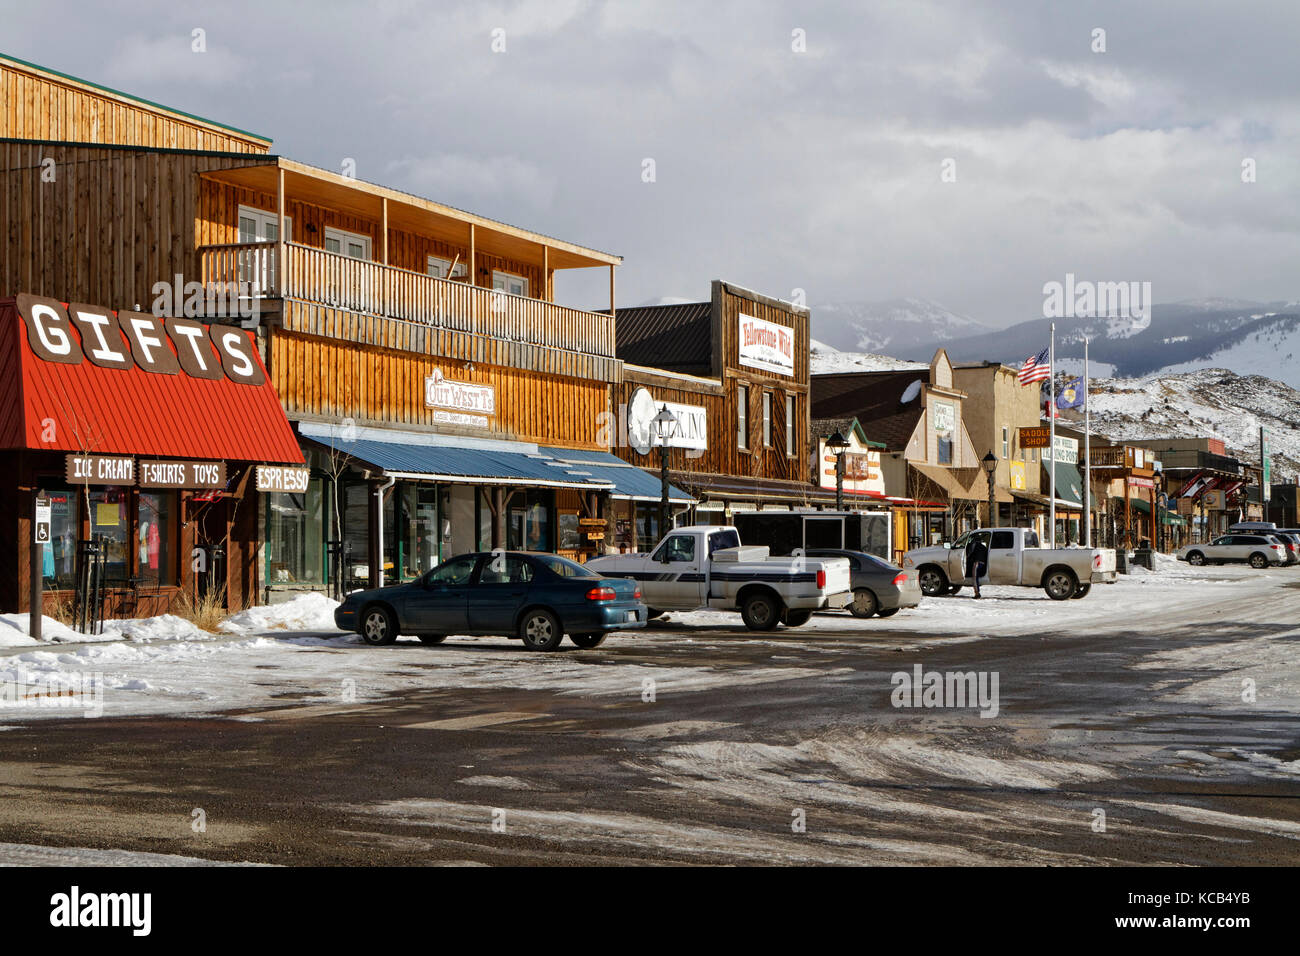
x: 535, y: 598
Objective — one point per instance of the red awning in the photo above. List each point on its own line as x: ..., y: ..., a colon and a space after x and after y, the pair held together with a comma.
x: 85, y: 407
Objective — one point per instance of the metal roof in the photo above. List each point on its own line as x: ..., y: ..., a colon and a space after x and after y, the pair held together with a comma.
x: 106, y: 411
x: 874, y: 399
x: 678, y: 338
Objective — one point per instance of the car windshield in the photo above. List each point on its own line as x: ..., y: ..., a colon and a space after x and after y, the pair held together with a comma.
x: 563, y: 567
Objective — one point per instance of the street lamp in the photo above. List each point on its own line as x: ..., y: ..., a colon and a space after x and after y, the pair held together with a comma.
x: 990, y: 463
x: 837, y: 444
x: 664, y: 423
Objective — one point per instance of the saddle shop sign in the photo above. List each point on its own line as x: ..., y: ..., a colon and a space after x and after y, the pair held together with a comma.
x: 122, y: 340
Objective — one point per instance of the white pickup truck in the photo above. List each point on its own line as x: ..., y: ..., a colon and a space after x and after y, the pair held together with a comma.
x: 1015, y: 558
x: 705, y: 566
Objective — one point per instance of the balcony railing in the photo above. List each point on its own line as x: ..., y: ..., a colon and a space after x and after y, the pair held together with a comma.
x: 369, y: 287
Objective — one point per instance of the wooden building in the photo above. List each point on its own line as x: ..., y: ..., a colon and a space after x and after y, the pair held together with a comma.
x: 443, y: 400
x: 734, y: 372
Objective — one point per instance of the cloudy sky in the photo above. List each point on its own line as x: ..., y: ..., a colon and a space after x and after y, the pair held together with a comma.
x: 818, y: 169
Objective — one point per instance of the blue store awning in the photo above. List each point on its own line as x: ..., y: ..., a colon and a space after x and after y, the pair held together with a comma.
x: 428, y: 456
x: 629, y: 481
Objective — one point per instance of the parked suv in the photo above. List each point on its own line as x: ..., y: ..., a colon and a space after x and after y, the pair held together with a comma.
x: 1292, y: 544
x: 1257, y: 550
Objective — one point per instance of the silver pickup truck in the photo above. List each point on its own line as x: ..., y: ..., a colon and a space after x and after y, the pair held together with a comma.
x: 706, y: 566
x: 1015, y: 558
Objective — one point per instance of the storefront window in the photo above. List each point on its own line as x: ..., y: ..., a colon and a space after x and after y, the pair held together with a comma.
x: 295, y: 527
x: 647, y: 526
x: 530, y: 522
x: 154, y: 539
x: 60, y: 559
x: 110, y: 523
x: 356, y: 534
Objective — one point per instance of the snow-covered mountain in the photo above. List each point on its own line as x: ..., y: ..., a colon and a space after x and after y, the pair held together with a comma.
x: 1209, y: 403
x: 1247, y: 337
x: 826, y: 360
x: 901, y: 326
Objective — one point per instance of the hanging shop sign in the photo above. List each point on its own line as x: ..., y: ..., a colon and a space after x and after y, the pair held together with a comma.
x: 123, y: 340
x: 182, y: 474
x: 282, y: 478
x: 99, y: 470
x: 470, y: 403
x: 1035, y: 437
x: 765, y: 345
x: 1067, y: 450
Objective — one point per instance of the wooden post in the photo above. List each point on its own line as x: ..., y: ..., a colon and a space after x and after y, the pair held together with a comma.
x: 384, y: 217
x: 279, y: 234
x: 611, y: 290
x: 546, y: 275
x: 35, y: 605
x: 473, y: 258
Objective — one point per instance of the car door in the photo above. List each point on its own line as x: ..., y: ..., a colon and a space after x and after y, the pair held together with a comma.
x: 970, y: 570
x: 438, y: 605
x: 1004, y: 559
x: 501, y: 591
x: 1225, y: 548
x: 680, y: 569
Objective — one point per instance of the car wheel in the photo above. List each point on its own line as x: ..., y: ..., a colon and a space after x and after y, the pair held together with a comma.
x: 864, y: 603
x: 887, y: 611
x: 933, y: 582
x: 1060, y: 585
x: 378, y: 626
x: 796, y: 618
x: 432, y: 638
x: 587, y: 641
x: 1082, y: 590
x: 760, y: 612
x: 1258, y: 561
x: 1196, y: 558
x: 540, y: 630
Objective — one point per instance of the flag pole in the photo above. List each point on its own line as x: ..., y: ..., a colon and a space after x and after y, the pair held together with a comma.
x: 1051, y: 447
x: 1087, y: 453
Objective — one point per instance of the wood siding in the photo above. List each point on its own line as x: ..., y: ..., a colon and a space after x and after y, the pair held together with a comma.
x: 35, y: 104
x: 720, y: 397
x: 329, y: 380
x: 110, y: 224
x: 465, y: 346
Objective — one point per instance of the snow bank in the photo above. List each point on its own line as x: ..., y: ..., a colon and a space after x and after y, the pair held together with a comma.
x: 306, y: 612
x: 13, y: 632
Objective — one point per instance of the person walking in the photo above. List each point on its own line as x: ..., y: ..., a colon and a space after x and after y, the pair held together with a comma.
x: 977, y: 559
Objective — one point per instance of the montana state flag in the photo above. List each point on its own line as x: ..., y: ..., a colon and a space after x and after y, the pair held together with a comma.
x: 1072, y: 394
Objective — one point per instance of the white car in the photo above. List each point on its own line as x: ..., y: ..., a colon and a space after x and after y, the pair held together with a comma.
x: 1257, y: 550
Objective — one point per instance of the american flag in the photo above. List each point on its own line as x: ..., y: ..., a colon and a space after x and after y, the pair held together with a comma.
x: 1036, y: 369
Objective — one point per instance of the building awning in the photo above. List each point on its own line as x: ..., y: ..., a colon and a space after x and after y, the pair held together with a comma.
x: 428, y: 456
x: 967, y: 484
x: 1167, y: 517
x: 1042, y: 501
x: 708, y: 486
x: 1069, y: 484
x: 630, y: 482
x: 70, y: 403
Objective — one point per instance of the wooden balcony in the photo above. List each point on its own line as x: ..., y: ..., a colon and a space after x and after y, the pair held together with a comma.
x: 328, y: 278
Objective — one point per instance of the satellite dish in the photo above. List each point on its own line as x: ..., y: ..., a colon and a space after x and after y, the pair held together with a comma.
x: 910, y: 393
x: 641, y: 413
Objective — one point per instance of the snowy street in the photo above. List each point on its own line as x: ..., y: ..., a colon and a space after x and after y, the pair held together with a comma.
x: 1151, y: 722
